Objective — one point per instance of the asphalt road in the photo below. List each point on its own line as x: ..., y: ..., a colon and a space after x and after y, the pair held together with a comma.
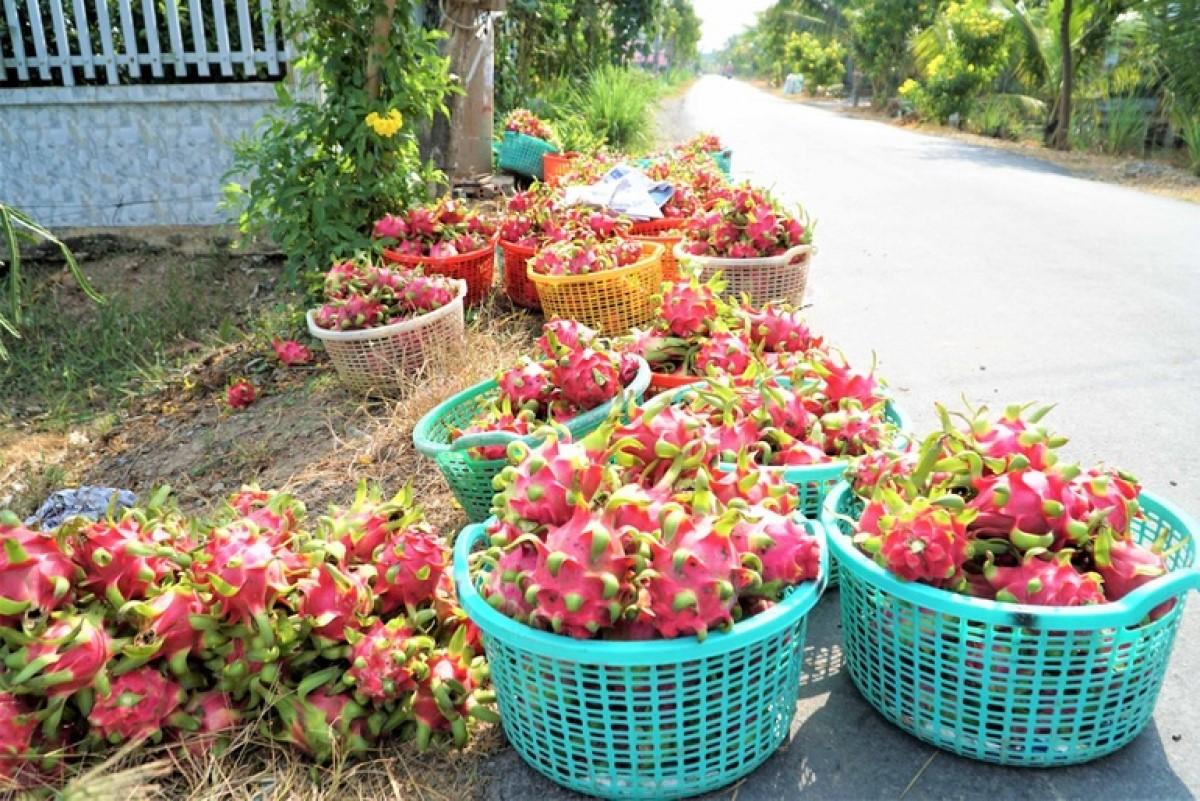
x: 968, y: 270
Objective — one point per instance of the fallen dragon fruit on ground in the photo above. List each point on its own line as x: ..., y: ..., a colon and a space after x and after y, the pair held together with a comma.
x: 986, y: 508
x: 574, y: 371
x: 634, y: 533
x: 333, y: 634
x: 360, y: 295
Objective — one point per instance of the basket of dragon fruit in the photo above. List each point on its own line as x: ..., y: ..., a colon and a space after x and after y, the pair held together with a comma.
x: 381, y: 326
x: 604, y: 284
x: 708, y: 145
x: 1003, y: 605
x: 444, y: 238
x: 644, y: 619
x: 555, y: 165
x: 666, y: 232
x: 574, y: 382
x: 763, y: 251
x: 527, y: 139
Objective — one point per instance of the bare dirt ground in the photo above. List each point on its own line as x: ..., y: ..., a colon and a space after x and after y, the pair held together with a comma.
x: 1158, y: 175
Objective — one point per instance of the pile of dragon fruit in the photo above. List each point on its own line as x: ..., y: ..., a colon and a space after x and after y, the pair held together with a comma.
x: 524, y: 121
x: 575, y: 371
x: 360, y: 294
x: 439, y: 230
x: 744, y: 222
x: 635, y: 533
x: 985, y: 507
x: 331, y: 633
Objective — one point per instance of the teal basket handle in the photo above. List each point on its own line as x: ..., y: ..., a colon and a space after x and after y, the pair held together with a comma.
x: 817, y: 529
x: 468, y: 441
x: 463, y: 545
x: 1136, y: 605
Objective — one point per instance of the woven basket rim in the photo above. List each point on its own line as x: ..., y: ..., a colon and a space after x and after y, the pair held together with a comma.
x: 783, y: 260
x: 384, y: 331
x: 472, y: 255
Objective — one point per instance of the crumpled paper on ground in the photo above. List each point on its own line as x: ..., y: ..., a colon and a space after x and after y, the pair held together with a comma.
x: 90, y: 502
x: 625, y: 190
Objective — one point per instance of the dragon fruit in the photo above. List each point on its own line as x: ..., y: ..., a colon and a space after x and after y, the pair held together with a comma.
x: 1113, y: 491
x: 245, y: 574
x: 694, y: 574
x: 1015, y: 433
x: 578, y: 586
x: 138, y: 706
x: 787, y: 553
x: 118, y: 560
x: 166, y: 619
x: 274, y: 513
x: 1124, y: 565
x: 240, y: 394
x: 723, y: 352
x: 214, y: 714
x: 387, y: 660
x: 918, y: 541
x: 881, y: 468
x: 451, y: 694
x: 323, y: 724
x: 341, y: 279
x: 17, y: 727
x: 562, y: 337
x: 290, y: 352
x: 687, y: 308
x: 588, y: 378
x: 35, y: 575
x: 333, y: 599
x: 842, y: 382
x: 498, y: 419
x: 785, y: 409
x: 778, y: 329
x: 527, y: 385
x: 852, y: 430
x: 545, y: 485
x: 369, y: 521
x: 423, y: 293
x: 752, y: 485
x: 1031, y: 508
x: 70, y: 655
x: 1044, y: 582
x: 661, y: 438
x: 508, y: 580
x: 409, y: 566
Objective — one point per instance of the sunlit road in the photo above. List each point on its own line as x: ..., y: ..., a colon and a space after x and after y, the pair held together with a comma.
x: 970, y: 270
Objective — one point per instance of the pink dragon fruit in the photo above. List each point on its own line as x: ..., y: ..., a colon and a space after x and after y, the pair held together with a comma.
x: 778, y: 329
x: 450, y: 694
x: 138, y: 706
x: 1125, y: 566
x: 545, y: 485
x: 796, y: 453
x: 333, y: 600
x: 1015, y: 433
x: 695, y: 574
x: 342, y: 279
x: 526, y: 385
x: 852, y: 430
x: 785, y: 409
x: 787, y: 552
x: 1044, y: 582
x: 369, y: 521
x: 633, y: 506
x: 918, y: 541
x: 509, y: 578
x: 660, y: 438
x: 166, y: 618
x: 562, y: 337
x: 409, y: 566
x: 687, y: 308
x: 240, y: 394
x: 215, y: 715
x: 1112, y: 490
x: 290, y: 352
x: 724, y: 353
x: 244, y: 572
x: 521, y: 424
x: 752, y: 485
x: 588, y: 378
x: 35, y: 575
x: 70, y: 655
x: 844, y: 382
x: 387, y: 660
x: 323, y: 724
x: 1031, y: 508
x: 881, y: 468
x: 578, y: 586
x: 357, y: 312
x: 274, y: 514
x: 390, y: 226
x: 17, y: 727
x: 118, y: 560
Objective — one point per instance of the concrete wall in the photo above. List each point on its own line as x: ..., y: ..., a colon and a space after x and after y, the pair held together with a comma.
x: 123, y: 155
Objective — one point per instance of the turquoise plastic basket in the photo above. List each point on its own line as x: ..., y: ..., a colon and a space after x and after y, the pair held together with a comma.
x: 522, y: 154
x: 661, y: 719
x: 470, y: 479
x: 724, y: 160
x: 1013, y: 684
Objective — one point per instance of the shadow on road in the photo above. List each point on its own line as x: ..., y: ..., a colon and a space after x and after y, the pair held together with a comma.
x: 936, y: 149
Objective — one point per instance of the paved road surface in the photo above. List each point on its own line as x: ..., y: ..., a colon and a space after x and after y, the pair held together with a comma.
x: 971, y: 270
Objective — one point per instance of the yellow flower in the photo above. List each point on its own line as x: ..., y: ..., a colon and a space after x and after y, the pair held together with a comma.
x: 387, y: 125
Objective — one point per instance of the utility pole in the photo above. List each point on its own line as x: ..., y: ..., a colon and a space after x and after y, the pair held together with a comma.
x: 471, y: 48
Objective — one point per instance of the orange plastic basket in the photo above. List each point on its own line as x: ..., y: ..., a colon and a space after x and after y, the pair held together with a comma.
x: 612, y: 301
x: 555, y: 164
x: 661, y: 382
x: 476, y: 268
x: 517, y: 286
x: 667, y: 232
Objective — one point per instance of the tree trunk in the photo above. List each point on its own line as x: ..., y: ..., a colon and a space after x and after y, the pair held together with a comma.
x: 380, y: 31
x: 1062, y: 130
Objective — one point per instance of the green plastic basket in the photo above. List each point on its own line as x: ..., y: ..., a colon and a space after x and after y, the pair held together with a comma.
x: 1013, y: 684
x: 660, y: 719
x: 522, y: 154
x: 724, y: 160
x: 471, y: 479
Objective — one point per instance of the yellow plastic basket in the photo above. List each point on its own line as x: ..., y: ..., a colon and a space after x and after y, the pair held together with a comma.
x: 612, y: 301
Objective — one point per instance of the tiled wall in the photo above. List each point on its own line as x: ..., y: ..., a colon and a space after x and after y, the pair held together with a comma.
x: 123, y: 155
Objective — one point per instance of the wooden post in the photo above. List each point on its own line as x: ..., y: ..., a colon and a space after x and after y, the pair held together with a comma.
x: 471, y: 48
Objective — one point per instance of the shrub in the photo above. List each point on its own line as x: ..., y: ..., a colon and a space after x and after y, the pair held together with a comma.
x: 618, y: 104
x: 820, y: 64
x: 325, y: 165
x: 997, y: 118
x: 1188, y: 125
x: 970, y: 55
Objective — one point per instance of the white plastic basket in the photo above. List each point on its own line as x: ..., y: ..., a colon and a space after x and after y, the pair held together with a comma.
x: 780, y: 278
x: 381, y: 358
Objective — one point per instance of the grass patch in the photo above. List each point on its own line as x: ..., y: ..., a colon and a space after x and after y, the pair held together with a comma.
x: 77, y: 359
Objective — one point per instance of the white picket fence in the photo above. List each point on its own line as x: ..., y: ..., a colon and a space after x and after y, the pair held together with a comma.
x: 62, y: 42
